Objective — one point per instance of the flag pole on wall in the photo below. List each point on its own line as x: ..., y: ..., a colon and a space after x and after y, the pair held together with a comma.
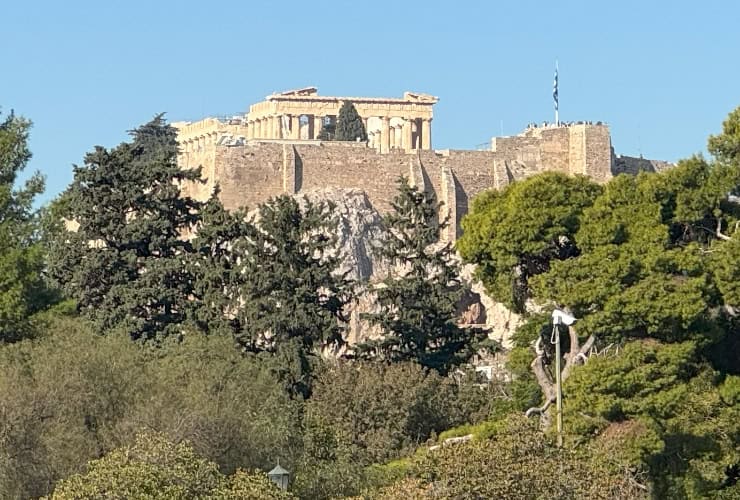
x: 555, y: 94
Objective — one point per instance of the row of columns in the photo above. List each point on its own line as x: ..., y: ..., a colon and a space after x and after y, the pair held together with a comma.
x: 387, y: 137
x: 405, y: 135
x: 271, y: 127
x: 198, y: 143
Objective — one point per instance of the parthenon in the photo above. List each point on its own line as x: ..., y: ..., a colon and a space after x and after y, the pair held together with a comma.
x: 298, y: 115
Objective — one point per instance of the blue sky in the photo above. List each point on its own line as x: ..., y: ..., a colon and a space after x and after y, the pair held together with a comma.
x: 662, y: 74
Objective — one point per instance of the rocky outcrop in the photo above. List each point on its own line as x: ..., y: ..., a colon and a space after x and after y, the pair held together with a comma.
x: 359, y: 231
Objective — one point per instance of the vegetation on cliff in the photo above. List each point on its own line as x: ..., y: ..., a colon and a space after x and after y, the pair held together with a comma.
x: 649, y: 266
x: 417, y: 301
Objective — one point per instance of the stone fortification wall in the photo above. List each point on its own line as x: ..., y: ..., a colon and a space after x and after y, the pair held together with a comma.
x: 249, y: 175
x: 250, y: 172
x: 572, y: 149
x: 351, y: 165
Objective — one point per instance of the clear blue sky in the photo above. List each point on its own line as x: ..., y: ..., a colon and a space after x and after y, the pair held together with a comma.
x: 663, y: 74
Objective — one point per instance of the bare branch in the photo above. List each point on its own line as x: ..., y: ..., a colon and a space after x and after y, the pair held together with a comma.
x: 719, y: 231
x: 539, y: 410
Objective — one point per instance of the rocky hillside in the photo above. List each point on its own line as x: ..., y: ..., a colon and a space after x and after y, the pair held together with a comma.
x: 359, y: 230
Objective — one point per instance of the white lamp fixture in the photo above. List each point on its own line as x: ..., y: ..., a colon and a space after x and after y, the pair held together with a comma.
x: 560, y: 317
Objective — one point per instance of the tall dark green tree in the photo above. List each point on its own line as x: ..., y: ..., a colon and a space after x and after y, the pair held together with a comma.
x: 292, y: 296
x: 418, y: 299
x: 217, y: 268
x: 349, y: 124
x: 126, y: 262
x: 22, y: 287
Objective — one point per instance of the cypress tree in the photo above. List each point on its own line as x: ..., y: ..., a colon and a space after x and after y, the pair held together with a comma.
x: 349, y: 124
x: 292, y: 296
x: 126, y: 265
x: 22, y: 288
x: 418, y: 299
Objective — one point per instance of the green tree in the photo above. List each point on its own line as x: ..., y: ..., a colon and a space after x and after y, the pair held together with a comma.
x: 726, y: 145
x: 217, y: 268
x: 72, y: 395
x: 293, y: 295
x: 515, y: 234
x: 22, y: 287
x: 517, y: 461
x: 652, y: 282
x: 126, y: 263
x: 350, y: 126
x: 418, y: 299
x: 154, y: 467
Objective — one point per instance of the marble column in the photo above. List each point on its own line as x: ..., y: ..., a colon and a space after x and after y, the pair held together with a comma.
x: 385, y: 144
x: 276, y: 127
x: 406, y: 131
x: 426, y: 133
x: 312, y: 127
x: 318, y: 122
x: 364, y: 124
x: 295, y: 126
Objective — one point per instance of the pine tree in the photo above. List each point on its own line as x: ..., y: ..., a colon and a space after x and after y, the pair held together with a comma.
x: 418, y: 299
x: 126, y: 264
x: 349, y: 124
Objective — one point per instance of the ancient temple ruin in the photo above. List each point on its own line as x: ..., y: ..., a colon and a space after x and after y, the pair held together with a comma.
x: 298, y: 115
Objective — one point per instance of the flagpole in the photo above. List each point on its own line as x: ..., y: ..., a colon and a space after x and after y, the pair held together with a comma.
x: 555, y: 95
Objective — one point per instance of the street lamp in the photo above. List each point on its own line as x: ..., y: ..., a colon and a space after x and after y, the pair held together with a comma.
x: 559, y: 317
x: 279, y: 476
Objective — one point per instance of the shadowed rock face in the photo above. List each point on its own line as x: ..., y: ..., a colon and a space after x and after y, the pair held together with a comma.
x: 359, y: 229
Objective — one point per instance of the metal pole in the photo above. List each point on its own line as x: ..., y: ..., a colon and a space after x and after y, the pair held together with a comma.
x: 558, y: 383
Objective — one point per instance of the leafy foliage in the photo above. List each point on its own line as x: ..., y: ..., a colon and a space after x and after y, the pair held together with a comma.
x: 350, y: 126
x: 653, y: 274
x: 23, y: 290
x: 364, y: 412
x: 418, y: 299
x: 217, y: 268
x: 517, y: 461
x: 291, y: 292
x: 515, y: 234
x: 72, y: 395
x: 153, y: 467
x: 126, y: 263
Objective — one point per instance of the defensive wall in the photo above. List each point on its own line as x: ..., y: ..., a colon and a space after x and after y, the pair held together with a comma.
x: 249, y: 170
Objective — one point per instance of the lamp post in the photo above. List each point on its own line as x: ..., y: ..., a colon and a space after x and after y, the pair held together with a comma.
x: 559, y: 317
x: 279, y: 476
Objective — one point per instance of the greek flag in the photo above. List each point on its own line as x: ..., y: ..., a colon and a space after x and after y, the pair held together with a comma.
x: 555, y: 88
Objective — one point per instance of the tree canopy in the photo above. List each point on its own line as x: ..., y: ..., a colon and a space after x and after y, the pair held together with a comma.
x: 350, y: 126
x: 418, y: 299
x: 23, y: 290
x: 651, y: 273
x: 126, y: 262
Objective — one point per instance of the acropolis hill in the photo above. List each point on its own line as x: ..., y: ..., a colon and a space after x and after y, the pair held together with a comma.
x: 274, y: 149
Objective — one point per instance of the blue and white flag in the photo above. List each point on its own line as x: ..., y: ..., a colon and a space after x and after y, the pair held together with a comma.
x: 555, y: 88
